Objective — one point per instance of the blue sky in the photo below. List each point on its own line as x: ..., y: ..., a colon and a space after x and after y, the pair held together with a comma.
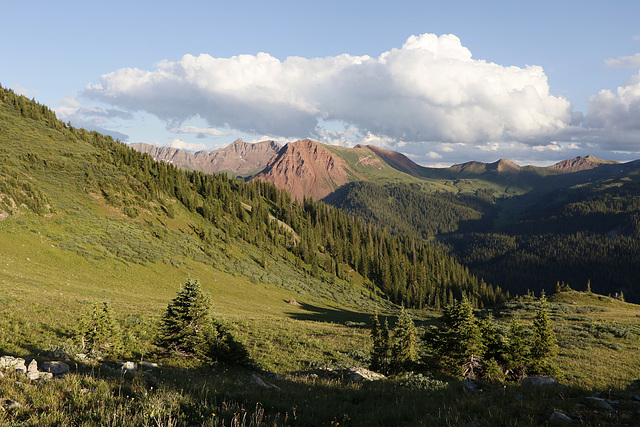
x: 442, y: 81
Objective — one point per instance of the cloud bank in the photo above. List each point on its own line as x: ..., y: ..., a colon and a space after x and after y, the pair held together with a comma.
x: 430, y: 90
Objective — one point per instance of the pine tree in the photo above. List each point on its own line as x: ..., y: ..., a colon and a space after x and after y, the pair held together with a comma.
x: 543, y: 341
x: 518, y: 355
x: 381, y: 355
x: 404, y: 342
x: 98, y: 330
x: 188, y: 329
x: 458, y: 344
x: 186, y: 322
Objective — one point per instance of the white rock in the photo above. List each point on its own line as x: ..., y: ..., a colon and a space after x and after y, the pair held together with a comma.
x: 129, y: 366
x: 363, y: 374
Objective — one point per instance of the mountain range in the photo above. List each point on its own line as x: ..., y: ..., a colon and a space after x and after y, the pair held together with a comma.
x: 307, y: 168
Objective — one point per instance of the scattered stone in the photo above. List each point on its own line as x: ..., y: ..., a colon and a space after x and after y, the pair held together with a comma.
x: 601, y: 403
x: 129, y: 366
x: 292, y: 301
x: 44, y: 376
x: 55, y: 367
x: 539, y: 381
x: 363, y: 374
x: 261, y: 383
x: 32, y: 371
x: 470, y: 385
x: 149, y: 365
x: 15, y: 363
x: 9, y: 404
x: 559, y: 416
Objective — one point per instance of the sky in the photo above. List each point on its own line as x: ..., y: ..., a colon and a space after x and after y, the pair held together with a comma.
x: 443, y: 82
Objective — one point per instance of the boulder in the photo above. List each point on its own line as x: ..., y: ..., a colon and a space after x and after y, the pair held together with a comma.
x: 13, y: 363
x: 129, y: 366
x: 539, y: 381
x: 363, y: 374
x: 256, y: 380
x: 32, y: 371
x: 601, y: 403
x: 149, y: 365
x: 292, y: 301
x: 559, y: 416
x: 55, y: 367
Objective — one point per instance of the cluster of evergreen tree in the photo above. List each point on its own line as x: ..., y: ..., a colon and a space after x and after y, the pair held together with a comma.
x: 187, y: 329
x: 407, y: 270
x: 397, y: 352
x: 467, y: 346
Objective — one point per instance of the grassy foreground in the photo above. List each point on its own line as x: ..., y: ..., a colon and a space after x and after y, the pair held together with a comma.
x: 45, y: 288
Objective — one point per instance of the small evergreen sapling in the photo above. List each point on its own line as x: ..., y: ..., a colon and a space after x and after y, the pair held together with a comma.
x: 98, y: 330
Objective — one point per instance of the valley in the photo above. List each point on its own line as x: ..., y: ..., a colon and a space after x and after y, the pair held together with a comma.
x: 87, y: 220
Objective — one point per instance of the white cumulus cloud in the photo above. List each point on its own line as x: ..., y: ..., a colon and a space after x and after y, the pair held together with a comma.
x: 429, y: 90
x: 632, y: 61
x: 613, y: 119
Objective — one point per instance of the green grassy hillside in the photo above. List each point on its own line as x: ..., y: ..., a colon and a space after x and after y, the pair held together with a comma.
x: 86, y: 220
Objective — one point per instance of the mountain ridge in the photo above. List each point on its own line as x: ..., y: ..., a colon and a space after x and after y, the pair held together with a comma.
x: 308, y: 168
x: 239, y: 157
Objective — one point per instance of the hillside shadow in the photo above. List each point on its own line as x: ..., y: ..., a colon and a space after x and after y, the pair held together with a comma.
x: 330, y: 315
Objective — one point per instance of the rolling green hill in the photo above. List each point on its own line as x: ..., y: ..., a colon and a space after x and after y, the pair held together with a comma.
x: 85, y: 219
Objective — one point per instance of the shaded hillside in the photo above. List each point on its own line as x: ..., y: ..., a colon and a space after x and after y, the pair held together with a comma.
x: 119, y: 203
x: 241, y: 158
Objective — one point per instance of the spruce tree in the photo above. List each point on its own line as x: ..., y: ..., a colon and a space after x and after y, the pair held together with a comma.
x: 188, y: 329
x: 458, y: 344
x: 404, y: 342
x: 380, y: 358
x: 543, y: 341
x: 98, y: 330
x: 186, y: 323
x: 518, y: 354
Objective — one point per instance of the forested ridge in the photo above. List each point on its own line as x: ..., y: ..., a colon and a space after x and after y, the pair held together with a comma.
x: 574, y: 234
x: 325, y: 240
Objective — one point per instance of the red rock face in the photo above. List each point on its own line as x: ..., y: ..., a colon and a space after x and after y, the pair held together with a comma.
x: 305, y: 168
x: 240, y: 157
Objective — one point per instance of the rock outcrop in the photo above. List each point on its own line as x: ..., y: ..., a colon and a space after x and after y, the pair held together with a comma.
x: 306, y: 168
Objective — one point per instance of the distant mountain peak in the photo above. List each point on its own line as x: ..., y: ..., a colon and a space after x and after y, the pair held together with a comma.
x: 306, y: 168
x: 579, y: 163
